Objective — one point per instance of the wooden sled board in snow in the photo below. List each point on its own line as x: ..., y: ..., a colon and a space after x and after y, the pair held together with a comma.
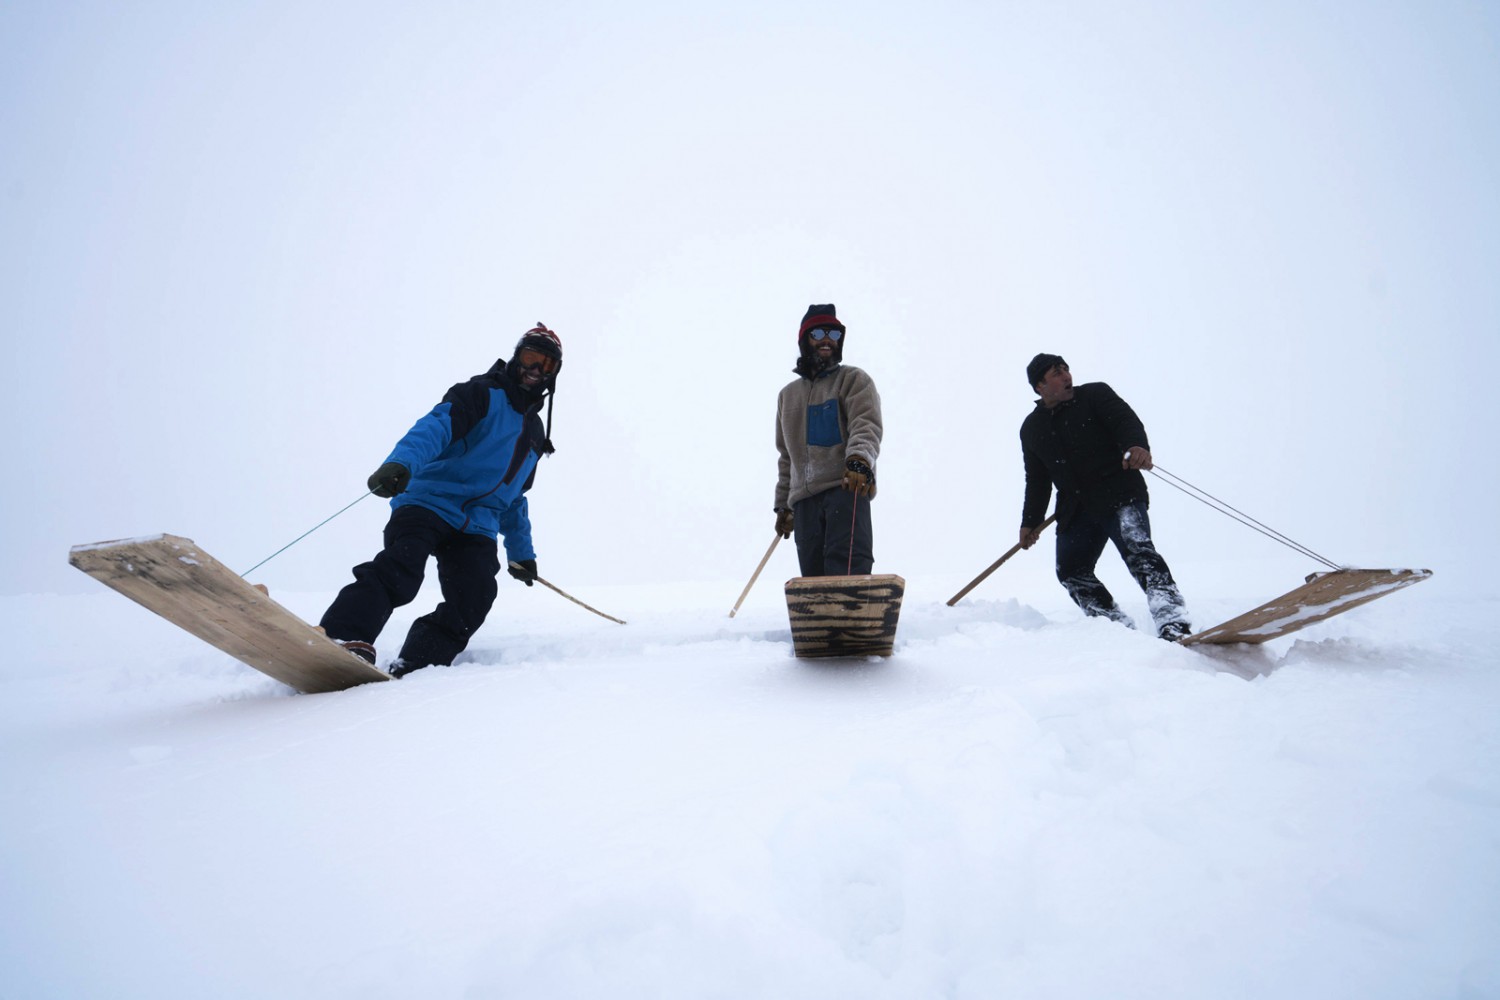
x: 844, y: 615
x: 1320, y: 598
x: 194, y: 591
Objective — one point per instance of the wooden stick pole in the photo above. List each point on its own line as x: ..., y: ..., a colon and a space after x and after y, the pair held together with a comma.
x: 996, y: 565
x: 554, y: 587
x: 756, y: 575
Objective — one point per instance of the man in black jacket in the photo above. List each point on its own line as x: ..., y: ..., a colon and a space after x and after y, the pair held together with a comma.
x: 1088, y: 442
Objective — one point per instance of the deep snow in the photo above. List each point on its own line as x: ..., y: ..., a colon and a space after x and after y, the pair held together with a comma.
x: 244, y: 246
x: 1021, y: 802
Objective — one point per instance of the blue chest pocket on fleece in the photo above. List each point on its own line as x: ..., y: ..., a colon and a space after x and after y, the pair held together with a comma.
x: 823, y: 424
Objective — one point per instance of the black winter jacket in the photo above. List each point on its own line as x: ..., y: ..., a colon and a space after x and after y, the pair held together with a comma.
x: 1077, y: 446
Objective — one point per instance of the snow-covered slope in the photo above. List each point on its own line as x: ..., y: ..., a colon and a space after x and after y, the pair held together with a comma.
x: 1020, y: 803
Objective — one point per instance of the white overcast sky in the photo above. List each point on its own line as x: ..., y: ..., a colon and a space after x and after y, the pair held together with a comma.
x: 243, y: 246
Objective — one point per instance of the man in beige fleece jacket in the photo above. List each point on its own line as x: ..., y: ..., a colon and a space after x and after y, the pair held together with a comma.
x: 828, y: 431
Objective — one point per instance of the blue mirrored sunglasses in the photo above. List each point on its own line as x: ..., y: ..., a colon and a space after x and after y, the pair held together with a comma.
x: 833, y: 333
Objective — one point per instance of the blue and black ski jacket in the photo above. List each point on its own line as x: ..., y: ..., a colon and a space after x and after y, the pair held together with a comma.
x: 473, y: 458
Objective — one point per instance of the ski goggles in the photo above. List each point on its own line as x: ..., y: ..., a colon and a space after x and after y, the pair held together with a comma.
x: 833, y: 333
x: 527, y: 358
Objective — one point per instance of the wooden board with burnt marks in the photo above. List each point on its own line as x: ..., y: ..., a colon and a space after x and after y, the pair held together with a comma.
x: 175, y: 578
x: 1320, y: 598
x: 844, y: 615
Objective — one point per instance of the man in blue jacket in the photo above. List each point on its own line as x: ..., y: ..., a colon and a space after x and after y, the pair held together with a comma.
x: 457, y: 480
x: 1089, y: 443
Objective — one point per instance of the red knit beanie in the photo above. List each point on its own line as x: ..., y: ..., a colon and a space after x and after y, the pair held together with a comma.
x: 819, y: 316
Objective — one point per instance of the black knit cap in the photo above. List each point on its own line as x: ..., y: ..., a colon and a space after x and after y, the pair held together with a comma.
x: 1040, y: 366
x: 817, y: 316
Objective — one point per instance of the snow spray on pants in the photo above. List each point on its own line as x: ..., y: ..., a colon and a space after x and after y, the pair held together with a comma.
x: 1079, y: 546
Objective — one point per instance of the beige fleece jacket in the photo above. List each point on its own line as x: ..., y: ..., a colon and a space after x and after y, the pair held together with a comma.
x: 820, y: 423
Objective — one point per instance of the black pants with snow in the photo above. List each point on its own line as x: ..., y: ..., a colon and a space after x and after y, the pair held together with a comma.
x: 1079, y: 546
x: 827, y: 525
x: 467, y: 565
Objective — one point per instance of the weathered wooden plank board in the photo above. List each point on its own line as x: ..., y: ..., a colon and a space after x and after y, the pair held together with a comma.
x: 175, y: 578
x: 1320, y: 598
x: 844, y: 615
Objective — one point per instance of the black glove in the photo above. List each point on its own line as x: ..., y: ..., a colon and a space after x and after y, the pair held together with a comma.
x: 786, y: 522
x: 523, y: 570
x: 389, y: 480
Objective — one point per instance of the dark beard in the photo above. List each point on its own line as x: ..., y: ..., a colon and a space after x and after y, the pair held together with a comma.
x: 811, y: 364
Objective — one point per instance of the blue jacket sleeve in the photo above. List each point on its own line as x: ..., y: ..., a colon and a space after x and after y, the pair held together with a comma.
x: 462, y: 407
x: 515, y: 526
x: 425, y: 441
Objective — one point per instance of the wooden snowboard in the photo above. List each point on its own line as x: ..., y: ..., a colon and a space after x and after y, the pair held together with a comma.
x: 1320, y: 598
x: 844, y: 615
x: 193, y: 590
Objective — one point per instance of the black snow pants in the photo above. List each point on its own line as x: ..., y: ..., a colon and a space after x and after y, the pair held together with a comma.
x: 1079, y: 546
x: 467, y: 566
x: 827, y: 526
